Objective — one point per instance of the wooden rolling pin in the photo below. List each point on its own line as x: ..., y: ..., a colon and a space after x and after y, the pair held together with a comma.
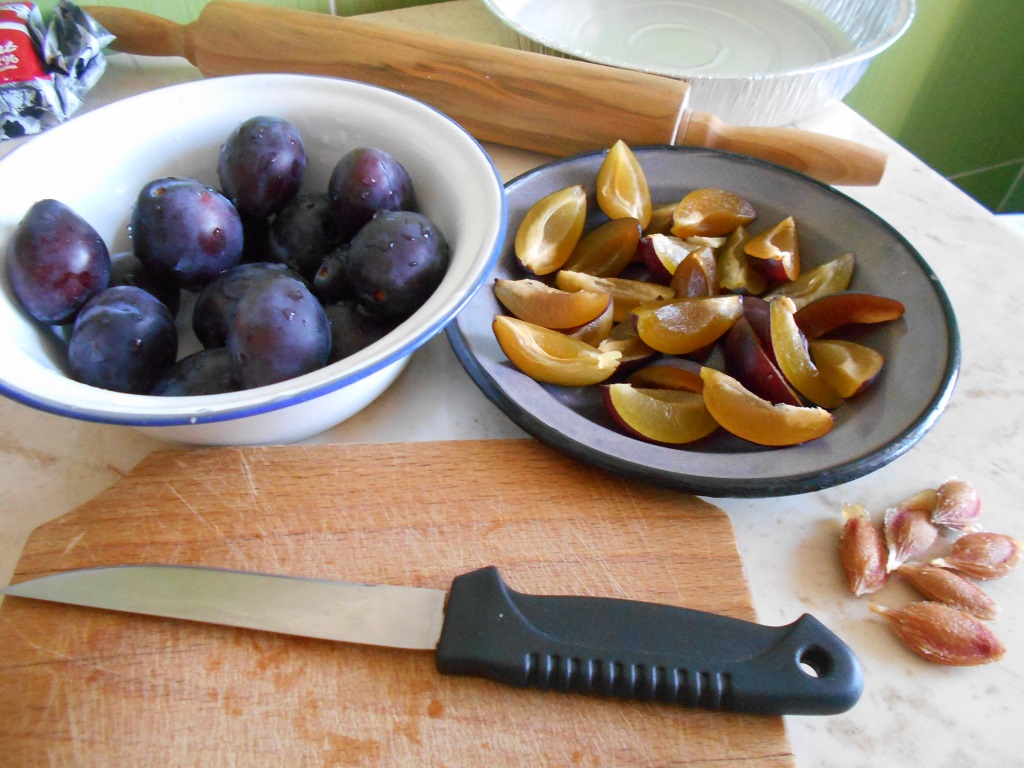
x: 543, y: 103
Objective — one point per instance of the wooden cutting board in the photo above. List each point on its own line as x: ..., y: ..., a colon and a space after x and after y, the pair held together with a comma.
x: 95, y: 688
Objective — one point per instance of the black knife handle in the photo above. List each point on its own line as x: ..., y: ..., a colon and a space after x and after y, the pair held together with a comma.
x: 644, y: 651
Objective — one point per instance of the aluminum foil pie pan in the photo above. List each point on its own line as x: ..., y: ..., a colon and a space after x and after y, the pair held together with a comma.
x: 750, y: 62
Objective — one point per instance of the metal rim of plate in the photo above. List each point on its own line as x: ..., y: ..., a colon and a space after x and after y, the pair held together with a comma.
x: 922, y: 350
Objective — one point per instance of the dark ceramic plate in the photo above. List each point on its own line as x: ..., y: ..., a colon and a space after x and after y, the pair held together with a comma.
x: 922, y: 350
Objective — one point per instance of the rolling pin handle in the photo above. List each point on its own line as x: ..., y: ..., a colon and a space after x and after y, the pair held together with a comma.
x: 147, y: 34
x: 825, y: 158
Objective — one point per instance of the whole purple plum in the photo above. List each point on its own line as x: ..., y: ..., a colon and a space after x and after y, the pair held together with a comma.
x: 278, y: 330
x: 56, y: 262
x: 185, y: 232
x: 330, y: 283
x: 351, y: 329
x: 261, y: 165
x: 364, y: 182
x: 395, y: 262
x: 124, y: 340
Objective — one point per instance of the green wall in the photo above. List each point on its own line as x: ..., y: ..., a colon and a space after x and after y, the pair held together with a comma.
x: 952, y: 91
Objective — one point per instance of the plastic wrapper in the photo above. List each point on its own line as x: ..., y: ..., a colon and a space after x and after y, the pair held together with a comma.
x: 46, y: 69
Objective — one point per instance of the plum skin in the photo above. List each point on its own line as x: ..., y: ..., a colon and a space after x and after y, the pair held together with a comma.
x: 747, y: 361
x: 351, y: 330
x: 215, y: 305
x: 56, y: 262
x: 330, y: 283
x: 303, y: 233
x: 278, y: 331
x: 395, y: 262
x: 123, y: 340
x: 261, y: 165
x: 364, y: 182
x: 185, y: 232
x: 206, y: 372
x: 127, y: 269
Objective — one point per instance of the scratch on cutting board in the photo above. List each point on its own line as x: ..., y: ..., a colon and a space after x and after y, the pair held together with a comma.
x: 202, y: 519
x: 73, y: 543
x: 57, y: 654
x: 250, y: 479
x: 250, y: 489
x: 36, y: 646
x: 74, y: 729
x: 642, y: 537
x: 272, y: 551
x: 256, y: 501
x: 50, y: 704
x: 598, y: 561
x: 51, y: 711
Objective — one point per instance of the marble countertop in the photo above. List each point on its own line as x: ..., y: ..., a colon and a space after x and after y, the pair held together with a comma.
x: 912, y: 712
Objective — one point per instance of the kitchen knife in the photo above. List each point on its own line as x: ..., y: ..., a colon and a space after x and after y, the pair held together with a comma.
x: 528, y: 100
x: 591, y: 645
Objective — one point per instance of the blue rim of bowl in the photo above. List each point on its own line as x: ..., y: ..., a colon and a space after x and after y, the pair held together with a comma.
x: 731, y: 487
x: 286, y: 400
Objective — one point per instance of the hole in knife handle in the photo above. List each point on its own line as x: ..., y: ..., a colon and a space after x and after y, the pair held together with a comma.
x: 599, y: 677
x: 815, y: 661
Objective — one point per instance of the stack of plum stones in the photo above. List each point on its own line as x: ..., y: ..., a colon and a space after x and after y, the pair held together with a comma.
x: 287, y: 280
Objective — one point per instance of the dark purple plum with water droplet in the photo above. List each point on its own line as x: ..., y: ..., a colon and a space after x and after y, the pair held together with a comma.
x: 124, y: 340
x: 351, y: 329
x: 364, y: 182
x: 278, y: 330
x: 261, y: 165
x: 395, y: 262
x: 330, y: 283
x: 185, y: 232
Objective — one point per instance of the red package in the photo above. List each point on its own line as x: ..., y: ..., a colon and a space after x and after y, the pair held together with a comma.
x: 37, y: 91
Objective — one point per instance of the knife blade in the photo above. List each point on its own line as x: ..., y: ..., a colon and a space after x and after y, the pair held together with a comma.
x: 480, y: 627
x: 543, y: 103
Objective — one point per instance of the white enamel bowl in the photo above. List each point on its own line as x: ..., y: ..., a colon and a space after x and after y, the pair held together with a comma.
x: 96, y: 164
